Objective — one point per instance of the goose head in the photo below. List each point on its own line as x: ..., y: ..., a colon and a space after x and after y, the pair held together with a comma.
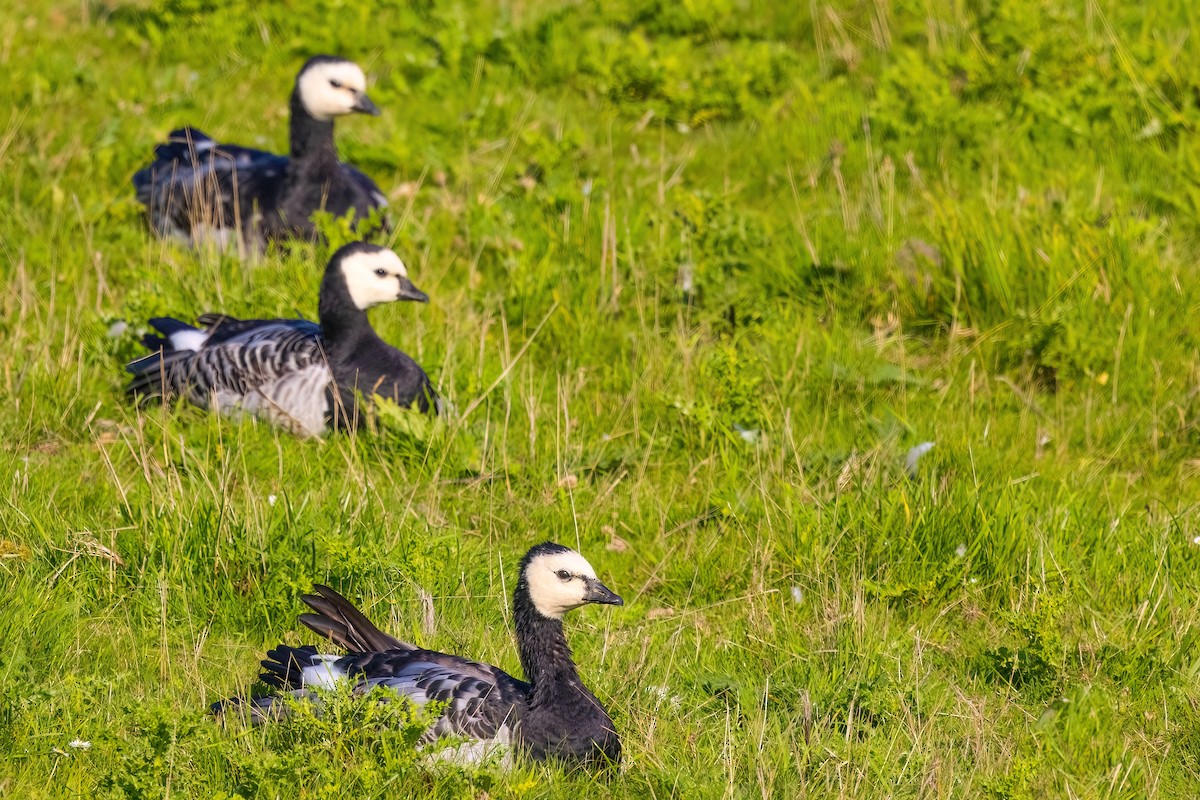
x: 331, y: 87
x: 374, y: 275
x: 558, y: 579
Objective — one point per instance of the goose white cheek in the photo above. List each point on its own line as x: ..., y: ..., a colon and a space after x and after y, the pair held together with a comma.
x: 332, y: 89
x: 552, y: 594
x: 367, y: 287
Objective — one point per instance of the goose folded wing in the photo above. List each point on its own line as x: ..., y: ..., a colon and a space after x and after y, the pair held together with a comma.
x: 366, y: 185
x: 480, y: 700
x: 190, y: 149
x: 238, y: 157
x: 194, y: 172
x: 223, y: 327
x: 260, y: 356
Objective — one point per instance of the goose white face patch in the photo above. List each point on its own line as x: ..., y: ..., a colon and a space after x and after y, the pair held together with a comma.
x: 331, y: 89
x: 373, y: 278
x: 558, y: 582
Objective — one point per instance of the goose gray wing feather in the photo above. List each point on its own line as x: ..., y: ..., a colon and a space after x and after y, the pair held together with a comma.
x: 196, y: 182
x: 275, y: 370
x: 480, y: 700
x: 221, y: 327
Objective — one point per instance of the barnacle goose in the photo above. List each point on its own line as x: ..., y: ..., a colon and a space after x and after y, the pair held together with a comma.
x: 199, y: 190
x: 549, y: 715
x: 304, y: 376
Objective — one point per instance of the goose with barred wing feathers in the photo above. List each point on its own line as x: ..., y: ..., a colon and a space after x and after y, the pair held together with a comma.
x: 294, y: 372
x: 201, y: 190
x: 549, y: 715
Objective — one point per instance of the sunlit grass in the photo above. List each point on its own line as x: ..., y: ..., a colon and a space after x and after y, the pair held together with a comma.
x: 701, y: 276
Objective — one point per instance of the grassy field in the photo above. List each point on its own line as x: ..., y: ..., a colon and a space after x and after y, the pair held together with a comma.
x: 702, y: 273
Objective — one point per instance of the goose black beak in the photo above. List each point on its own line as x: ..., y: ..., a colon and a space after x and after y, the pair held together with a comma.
x: 410, y: 292
x: 363, y: 105
x: 597, y: 592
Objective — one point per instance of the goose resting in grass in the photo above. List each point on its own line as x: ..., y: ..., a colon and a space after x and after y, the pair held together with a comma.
x: 200, y: 190
x: 549, y: 715
x: 304, y: 376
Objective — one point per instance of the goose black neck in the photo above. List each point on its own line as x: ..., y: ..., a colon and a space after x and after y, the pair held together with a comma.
x: 344, y: 326
x: 311, y: 138
x: 545, y: 656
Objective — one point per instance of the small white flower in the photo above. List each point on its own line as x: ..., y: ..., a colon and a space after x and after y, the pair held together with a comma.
x: 797, y: 595
x: 749, y: 435
x: 1196, y: 540
x: 587, y: 187
x: 659, y: 692
x: 80, y: 744
x: 117, y: 329
x: 960, y: 551
x: 271, y: 499
x: 687, y: 278
x: 1151, y: 129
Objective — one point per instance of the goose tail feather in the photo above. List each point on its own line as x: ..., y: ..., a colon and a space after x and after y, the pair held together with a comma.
x: 339, y: 621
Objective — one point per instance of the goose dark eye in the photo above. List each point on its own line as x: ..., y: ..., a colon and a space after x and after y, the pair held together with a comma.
x: 335, y: 84
x: 563, y: 575
x: 381, y: 272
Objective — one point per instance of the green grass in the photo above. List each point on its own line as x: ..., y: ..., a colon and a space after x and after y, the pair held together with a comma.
x: 971, y: 223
